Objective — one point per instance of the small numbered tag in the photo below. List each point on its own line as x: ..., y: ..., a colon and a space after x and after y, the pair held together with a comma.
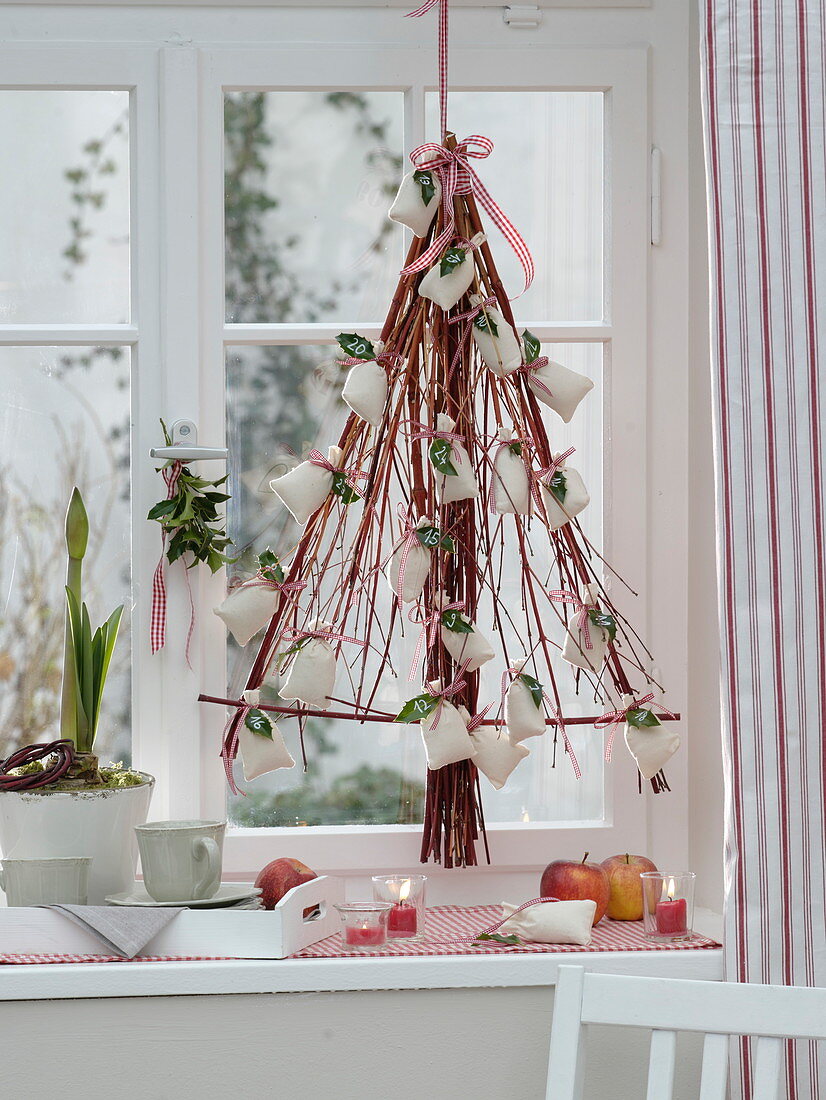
x: 257, y: 722
x: 440, y: 455
x: 357, y: 346
x: 486, y: 324
x: 426, y: 185
x: 414, y: 710
x: 451, y: 260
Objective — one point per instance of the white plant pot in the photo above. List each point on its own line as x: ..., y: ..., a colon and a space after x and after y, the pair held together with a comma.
x: 100, y: 824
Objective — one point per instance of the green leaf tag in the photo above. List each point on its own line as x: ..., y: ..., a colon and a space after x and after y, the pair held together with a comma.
x: 486, y: 324
x: 509, y: 941
x: 531, y: 345
x: 356, y: 346
x: 534, y: 687
x: 414, y: 710
x: 440, y: 452
x: 269, y: 567
x: 452, y: 620
x: 606, y: 621
x: 515, y: 449
x: 433, y: 539
x: 257, y: 722
x: 558, y: 486
x: 426, y: 185
x: 641, y: 717
x: 451, y: 260
x: 341, y: 489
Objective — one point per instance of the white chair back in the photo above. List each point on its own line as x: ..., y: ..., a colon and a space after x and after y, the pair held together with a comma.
x: 773, y: 1013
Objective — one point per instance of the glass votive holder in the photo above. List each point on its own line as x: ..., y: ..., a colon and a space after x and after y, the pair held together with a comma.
x: 406, y: 896
x: 365, y: 924
x: 668, y: 904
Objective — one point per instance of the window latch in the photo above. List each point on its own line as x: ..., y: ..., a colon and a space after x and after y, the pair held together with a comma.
x: 185, y: 445
x: 527, y: 16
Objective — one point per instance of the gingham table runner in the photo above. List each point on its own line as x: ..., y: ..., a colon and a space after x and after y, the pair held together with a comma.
x: 451, y: 922
x: 23, y: 960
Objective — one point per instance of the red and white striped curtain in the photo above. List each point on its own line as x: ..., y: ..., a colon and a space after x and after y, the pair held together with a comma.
x: 765, y: 107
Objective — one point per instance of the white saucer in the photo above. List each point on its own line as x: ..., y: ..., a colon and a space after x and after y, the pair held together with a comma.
x: 228, y: 893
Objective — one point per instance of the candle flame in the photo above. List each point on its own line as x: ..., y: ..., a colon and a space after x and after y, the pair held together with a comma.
x: 672, y: 889
x: 404, y: 890
x: 526, y: 816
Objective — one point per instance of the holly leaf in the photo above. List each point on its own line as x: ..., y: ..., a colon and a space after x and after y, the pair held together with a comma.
x: 534, y: 687
x: 451, y: 260
x: 356, y: 346
x: 509, y: 941
x: 485, y: 323
x: 162, y: 508
x: 433, y: 539
x: 341, y: 489
x: 414, y: 710
x: 295, y: 647
x: 641, y: 717
x: 440, y: 453
x: 258, y: 723
x: 558, y: 486
x: 426, y: 185
x: 531, y: 345
x: 604, y: 620
x: 515, y: 449
x: 269, y: 567
x: 447, y: 543
x: 452, y: 620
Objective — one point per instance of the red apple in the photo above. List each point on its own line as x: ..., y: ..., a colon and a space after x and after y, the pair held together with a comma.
x: 626, y: 886
x: 569, y: 881
x: 280, y: 876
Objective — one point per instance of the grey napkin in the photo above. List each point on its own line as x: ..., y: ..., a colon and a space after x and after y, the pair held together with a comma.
x: 123, y: 930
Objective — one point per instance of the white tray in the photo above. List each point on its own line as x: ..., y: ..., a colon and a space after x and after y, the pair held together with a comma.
x: 235, y: 933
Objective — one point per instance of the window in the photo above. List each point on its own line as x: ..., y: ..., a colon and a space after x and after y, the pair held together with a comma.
x: 252, y: 184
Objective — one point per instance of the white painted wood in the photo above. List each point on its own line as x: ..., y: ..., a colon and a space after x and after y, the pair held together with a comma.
x: 768, y: 1063
x: 714, y: 1081
x: 771, y: 1013
x: 661, y: 1064
x: 323, y: 333
x: 566, y: 1059
x: 68, y: 335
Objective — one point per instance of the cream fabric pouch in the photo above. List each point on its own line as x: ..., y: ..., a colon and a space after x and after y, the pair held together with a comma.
x: 551, y: 922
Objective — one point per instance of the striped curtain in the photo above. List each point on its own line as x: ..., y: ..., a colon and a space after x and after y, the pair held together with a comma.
x: 764, y: 95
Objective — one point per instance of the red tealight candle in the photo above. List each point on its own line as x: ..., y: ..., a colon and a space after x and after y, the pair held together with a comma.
x: 402, y: 921
x: 671, y: 915
x: 367, y: 935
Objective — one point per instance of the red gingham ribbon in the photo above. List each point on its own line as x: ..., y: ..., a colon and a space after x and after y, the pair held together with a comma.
x: 468, y: 316
x: 494, y: 478
x: 443, y: 41
x: 493, y: 927
x: 476, y: 720
x: 409, y: 539
x: 261, y: 581
x: 430, y: 625
x: 511, y: 672
x: 559, y: 595
x: 548, y: 472
x: 316, y: 458
x: 387, y: 359
x: 157, y: 621
x: 447, y: 692
x: 297, y: 635
x: 229, y: 743
x: 613, y: 718
x: 537, y: 364
x: 421, y: 431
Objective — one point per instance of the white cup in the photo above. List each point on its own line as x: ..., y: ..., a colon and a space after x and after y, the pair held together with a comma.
x: 45, y: 881
x: 181, y: 860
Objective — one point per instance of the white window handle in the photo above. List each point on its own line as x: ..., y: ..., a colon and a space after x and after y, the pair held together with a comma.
x: 185, y: 445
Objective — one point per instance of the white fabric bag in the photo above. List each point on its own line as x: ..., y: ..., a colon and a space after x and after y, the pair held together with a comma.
x: 461, y: 485
x: 304, y: 489
x: 450, y: 741
x: 551, y: 922
x: 576, y: 498
x: 416, y: 568
x: 494, y: 755
x: 409, y: 207
x: 471, y: 646
x: 651, y: 746
x: 311, y: 676
x: 247, y: 609
x: 261, y: 754
x: 574, y: 649
x: 365, y: 390
x: 446, y: 290
x: 567, y: 388
x: 510, y: 485
x: 523, y: 717
x: 501, y: 351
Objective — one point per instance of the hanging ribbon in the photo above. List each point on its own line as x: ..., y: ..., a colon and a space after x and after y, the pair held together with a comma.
x: 409, y: 539
x: 157, y: 620
x: 507, y: 676
x: 529, y: 368
x: 430, y: 625
x: 421, y: 431
x: 468, y: 316
x: 559, y: 595
x: 390, y: 360
x: 352, y: 473
x: 297, y: 635
x: 448, y: 692
x: 613, y: 718
x: 443, y: 41
x: 262, y: 581
x: 494, y: 477
x: 547, y: 472
x: 477, y: 719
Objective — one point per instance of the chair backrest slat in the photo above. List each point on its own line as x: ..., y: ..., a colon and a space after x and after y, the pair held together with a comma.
x: 566, y: 1064
x: 661, y: 1062
x: 768, y: 1062
x: 715, y: 1067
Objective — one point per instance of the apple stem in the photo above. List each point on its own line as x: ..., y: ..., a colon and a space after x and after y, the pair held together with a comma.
x: 627, y: 858
x: 585, y: 856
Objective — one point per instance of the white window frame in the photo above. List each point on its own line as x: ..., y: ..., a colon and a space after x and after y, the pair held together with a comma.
x: 178, y: 336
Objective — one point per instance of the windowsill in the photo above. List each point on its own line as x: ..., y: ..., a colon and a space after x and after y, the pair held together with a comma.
x: 236, y: 976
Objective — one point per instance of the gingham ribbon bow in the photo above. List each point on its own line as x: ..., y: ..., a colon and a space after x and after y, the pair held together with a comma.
x: 390, y: 360
x: 260, y: 580
x: 448, y: 692
x: 507, y: 677
x: 548, y: 472
x: 494, y: 477
x: 421, y: 431
x: 230, y: 737
x: 559, y: 595
x: 409, y: 539
x: 316, y: 458
x: 157, y: 620
x: 297, y: 635
x: 528, y: 369
x: 468, y: 316
x: 477, y: 719
x: 429, y: 626
x: 613, y: 718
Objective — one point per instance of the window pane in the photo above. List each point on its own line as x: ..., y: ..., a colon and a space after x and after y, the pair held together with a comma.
x: 64, y: 206
x: 286, y: 397
x: 64, y: 421
x: 546, y: 173
x: 309, y: 179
